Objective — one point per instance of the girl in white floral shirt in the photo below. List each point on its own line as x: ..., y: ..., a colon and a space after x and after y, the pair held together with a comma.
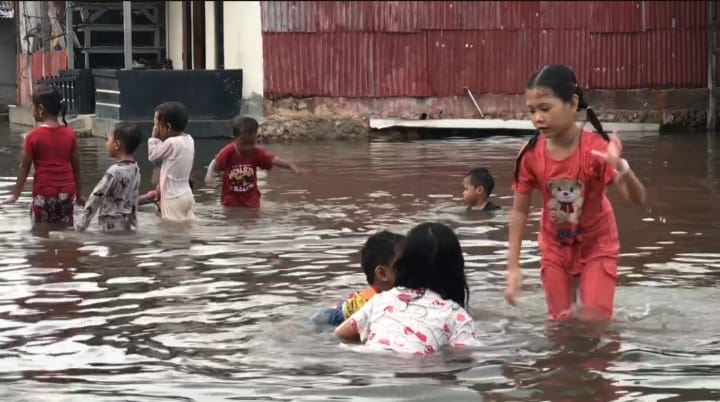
x: 426, y: 309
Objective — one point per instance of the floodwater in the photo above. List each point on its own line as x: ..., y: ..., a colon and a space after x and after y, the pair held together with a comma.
x: 220, y: 310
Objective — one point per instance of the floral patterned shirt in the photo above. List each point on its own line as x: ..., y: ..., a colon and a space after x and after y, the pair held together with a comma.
x: 413, y: 321
x: 114, y: 199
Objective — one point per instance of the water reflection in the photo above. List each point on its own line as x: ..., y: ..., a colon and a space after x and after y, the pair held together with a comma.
x: 219, y: 310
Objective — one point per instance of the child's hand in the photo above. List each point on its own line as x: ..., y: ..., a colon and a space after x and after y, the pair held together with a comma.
x: 612, y: 155
x: 9, y: 200
x: 295, y: 169
x: 80, y: 200
x: 514, y: 280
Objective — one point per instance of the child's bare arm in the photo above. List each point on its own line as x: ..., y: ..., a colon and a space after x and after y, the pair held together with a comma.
x: 347, y: 332
x: 210, y: 175
x: 23, y: 172
x: 521, y: 208
x: 75, y: 161
x: 281, y: 163
x: 629, y: 185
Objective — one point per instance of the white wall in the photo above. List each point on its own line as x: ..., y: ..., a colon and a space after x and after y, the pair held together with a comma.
x: 210, y: 35
x: 174, y: 33
x: 243, y: 44
x: 242, y: 40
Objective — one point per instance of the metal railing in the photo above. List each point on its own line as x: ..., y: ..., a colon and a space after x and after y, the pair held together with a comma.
x: 77, y: 88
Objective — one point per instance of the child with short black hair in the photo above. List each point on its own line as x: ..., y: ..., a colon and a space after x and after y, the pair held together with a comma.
x: 479, y: 184
x: 115, y: 198
x: 239, y: 161
x: 174, y: 149
x: 376, y: 259
x: 426, y: 308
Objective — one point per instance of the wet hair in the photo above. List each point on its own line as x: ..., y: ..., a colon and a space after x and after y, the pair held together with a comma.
x: 173, y: 113
x: 432, y: 259
x: 560, y: 81
x: 51, y: 100
x: 128, y: 135
x: 481, y: 177
x: 379, y: 249
x: 244, y: 126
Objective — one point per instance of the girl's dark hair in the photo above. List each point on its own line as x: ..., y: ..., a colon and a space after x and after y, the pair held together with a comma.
x: 51, y: 100
x: 173, y: 113
x: 561, y: 82
x: 432, y: 259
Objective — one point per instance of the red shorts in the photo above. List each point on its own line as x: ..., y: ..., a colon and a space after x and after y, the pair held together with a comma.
x: 595, y: 280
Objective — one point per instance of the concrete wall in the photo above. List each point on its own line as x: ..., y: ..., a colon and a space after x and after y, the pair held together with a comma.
x: 8, y: 93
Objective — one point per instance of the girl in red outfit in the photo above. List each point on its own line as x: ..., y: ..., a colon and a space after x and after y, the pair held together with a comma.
x: 571, y: 168
x: 52, y: 149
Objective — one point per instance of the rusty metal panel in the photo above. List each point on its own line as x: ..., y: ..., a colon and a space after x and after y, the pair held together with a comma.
x: 566, y: 15
x: 346, y: 64
x: 569, y: 47
x: 617, y: 16
x: 618, y: 60
x: 291, y: 64
x: 482, y: 15
x: 400, y: 65
x: 519, y: 15
x: 677, y: 14
x: 678, y: 58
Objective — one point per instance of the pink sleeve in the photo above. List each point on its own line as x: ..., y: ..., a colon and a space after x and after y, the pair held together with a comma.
x: 361, y: 318
x: 265, y: 159
x: 525, y: 181
x: 463, y: 334
x: 607, y: 172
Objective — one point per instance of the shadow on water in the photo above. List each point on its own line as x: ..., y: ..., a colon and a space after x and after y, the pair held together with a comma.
x: 220, y: 309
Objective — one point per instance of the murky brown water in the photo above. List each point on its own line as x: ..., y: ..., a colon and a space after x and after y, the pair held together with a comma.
x: 220, y: 311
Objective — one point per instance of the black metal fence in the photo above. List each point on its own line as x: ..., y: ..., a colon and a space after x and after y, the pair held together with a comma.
x: 77, y: 88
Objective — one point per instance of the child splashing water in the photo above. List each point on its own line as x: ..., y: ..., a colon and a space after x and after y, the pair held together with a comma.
x: 572, y: 169
x: 53, y: 149
x: 426, y: 308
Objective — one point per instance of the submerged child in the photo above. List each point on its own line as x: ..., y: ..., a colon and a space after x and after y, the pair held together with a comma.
x: 239, y: 161
x: 52, y: 149
x: 175, y: 150
x: 115, y: 198
x: 426, y: 309
x: 572, y: 169
x: 479, y: 184
x: 376, y: 259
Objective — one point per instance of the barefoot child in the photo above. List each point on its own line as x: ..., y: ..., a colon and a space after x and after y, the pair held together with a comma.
x: 175, y: 150
x: 479, y: 184
x: 376, y: 259
x: 239, y: 162
x: 571, y: 168
x: 426, y: 308
x: 115, y: 198
x: 53, y: 150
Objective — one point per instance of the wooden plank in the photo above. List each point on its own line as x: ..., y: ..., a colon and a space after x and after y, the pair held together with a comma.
x: 198, y: 34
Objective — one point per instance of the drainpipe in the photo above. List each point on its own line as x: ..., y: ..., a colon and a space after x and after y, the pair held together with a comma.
x: 69, y: 39
x: 219, y: 36
x: 127, y: 34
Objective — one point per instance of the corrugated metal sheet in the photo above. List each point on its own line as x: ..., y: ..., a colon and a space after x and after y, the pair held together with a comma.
x: 519, y: 14
x: 677, y: 14
x: 402, y: 65
x: 570, y: 47
x: 564, y: 15
x: 617, y: 16
x: 677, y: 58
x: 386, y: 49
x: 32, y: 67
x: 618, y: 60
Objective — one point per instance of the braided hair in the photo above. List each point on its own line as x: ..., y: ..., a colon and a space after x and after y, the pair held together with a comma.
x: 51, y: 100
x: 561, y: 82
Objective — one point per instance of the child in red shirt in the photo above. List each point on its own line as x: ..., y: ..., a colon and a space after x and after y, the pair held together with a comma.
x: 53, y: 150
x: 239, y: 162
x: 572, y: 168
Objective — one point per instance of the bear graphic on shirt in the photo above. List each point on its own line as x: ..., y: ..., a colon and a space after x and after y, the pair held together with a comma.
x: 565, y: 206
x: 241, y: 178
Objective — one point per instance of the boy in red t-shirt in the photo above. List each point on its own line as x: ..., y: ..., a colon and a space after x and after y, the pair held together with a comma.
x: 238, y: 162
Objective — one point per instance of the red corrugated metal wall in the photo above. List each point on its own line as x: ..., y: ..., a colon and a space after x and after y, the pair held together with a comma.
x: 435, y: 48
